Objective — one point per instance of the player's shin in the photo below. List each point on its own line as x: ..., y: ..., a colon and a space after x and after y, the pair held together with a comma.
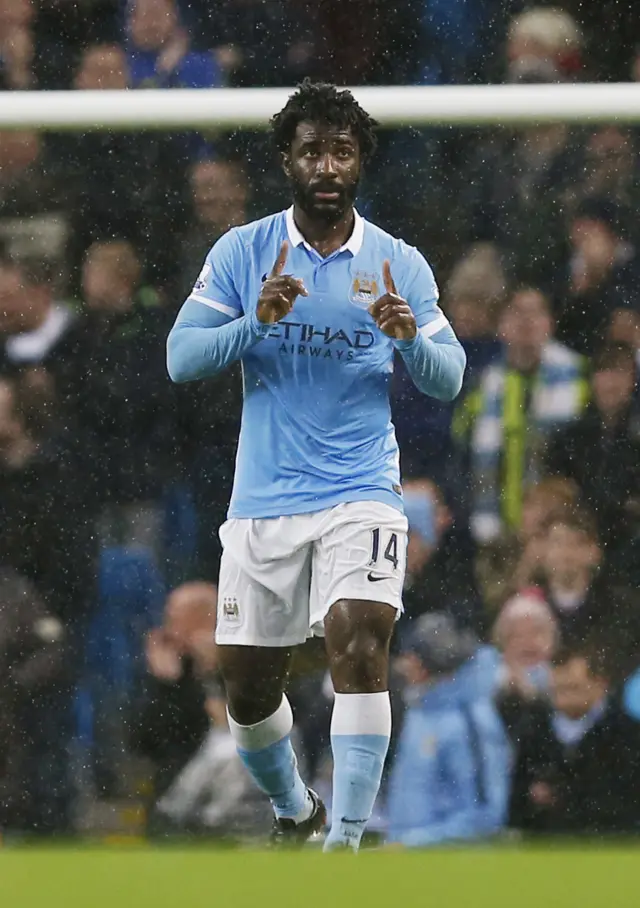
x: 360, y: 733
x: 266, y: 751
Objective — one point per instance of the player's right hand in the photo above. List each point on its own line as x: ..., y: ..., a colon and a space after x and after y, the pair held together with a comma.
x: 279, y: 291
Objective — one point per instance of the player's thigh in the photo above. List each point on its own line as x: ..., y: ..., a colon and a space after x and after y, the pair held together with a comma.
x: 361, y: 556
x: 251, y: 614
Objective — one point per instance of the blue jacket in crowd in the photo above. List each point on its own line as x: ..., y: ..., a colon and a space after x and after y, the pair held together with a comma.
x: 450, y: 778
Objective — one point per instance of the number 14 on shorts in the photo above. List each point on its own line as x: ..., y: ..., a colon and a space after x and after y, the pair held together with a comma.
x: 390, y: 552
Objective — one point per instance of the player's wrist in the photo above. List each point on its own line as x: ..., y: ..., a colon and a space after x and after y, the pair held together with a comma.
x: 406, y: 343
x: 260, y: 329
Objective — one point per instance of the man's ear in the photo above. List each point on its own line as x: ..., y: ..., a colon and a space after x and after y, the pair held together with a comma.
x: 286, y: 163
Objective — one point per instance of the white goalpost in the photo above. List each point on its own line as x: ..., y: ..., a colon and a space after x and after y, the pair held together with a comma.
x: 450, y: 105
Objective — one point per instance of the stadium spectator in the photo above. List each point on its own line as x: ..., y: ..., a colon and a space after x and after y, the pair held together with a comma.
x: 220, y: 196
x: 46, y: 534
x: 33, y: 323
x: 601, y: 451
x: 47, y: 537
x: 516, y: 668
x: 24, y: 187
x: 471, y: 297
x: 171, y: 723
x: 517, y: 180
x: 535, y: 386
x: 572, y: 576
x: 213, y: 791
x: 219, y: 200
x: 576, y: 771
x: 31, y: 665
x: 140, y: 192
x: 450, y: 778
x: 603, y: 275
x: 160, y: 54
x: 608, y: 25
x: 431, y: 582
x: 355, y: 44
x: 199, y: 782
x: 62, y: 29
x: 525, y: 635
x: 458, y: 40
x: 112, y: 374
x: 543, y: 45
x: 624, y: 328
x: 33, y: 208
x: 17, y: 45
x: 208, y: 427
x: 103, y: 67
x: 508, y: 565
x: 260, y: 43
x: 610, y: 170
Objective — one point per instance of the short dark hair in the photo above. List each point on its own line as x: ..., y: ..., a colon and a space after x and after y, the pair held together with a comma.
x: 614, y: 356
x: 595, y: 655
x: 33, y: 269
x: 523, y: 288
x: 321, y: 102
x: 603, y: 210
x: 578, y: 519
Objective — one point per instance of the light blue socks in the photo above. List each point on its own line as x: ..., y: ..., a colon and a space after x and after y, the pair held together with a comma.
x: 266, y: 751
x: 360, y: 733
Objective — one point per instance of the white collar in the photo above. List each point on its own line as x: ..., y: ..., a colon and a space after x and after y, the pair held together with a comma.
x: 33, y: 346
x: 353, y: 244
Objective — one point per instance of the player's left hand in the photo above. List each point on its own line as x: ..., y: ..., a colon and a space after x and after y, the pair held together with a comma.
x: 390, y: 312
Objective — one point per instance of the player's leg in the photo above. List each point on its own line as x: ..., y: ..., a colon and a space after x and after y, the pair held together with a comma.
x: 256, y: 631
x: 260, y: 720
x: 358, y: 634
x: 255, y: 678
x: 359, y: 572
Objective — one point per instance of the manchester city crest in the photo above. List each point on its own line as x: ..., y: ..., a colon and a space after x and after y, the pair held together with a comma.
x: 365, y: 288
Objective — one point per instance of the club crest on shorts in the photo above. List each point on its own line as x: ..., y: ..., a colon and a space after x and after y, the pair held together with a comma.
x: 230, y: 610
x: 364, y: 289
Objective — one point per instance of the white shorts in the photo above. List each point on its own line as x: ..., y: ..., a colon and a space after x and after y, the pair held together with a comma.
x: 280, y: 576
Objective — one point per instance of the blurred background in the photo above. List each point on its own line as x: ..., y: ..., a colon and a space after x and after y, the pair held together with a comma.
x: 516, y: 671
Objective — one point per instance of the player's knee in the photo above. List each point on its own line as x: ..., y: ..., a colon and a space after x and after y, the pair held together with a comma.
x: 360, y: 664
x: 363, y: 647
x: 249, y: 704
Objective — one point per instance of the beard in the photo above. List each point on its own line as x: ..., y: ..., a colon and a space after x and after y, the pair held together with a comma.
x: 327, y: 211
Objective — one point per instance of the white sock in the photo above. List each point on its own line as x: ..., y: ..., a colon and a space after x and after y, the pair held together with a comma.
x: 266, y: 750
x: 360, y: 733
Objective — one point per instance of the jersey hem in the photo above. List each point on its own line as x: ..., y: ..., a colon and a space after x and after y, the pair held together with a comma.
x: 379, y: 496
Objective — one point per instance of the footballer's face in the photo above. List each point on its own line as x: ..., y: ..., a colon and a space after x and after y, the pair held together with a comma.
x: 323, y: 167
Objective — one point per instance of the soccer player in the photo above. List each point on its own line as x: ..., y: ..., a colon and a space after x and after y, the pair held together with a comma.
x: 314, y: 301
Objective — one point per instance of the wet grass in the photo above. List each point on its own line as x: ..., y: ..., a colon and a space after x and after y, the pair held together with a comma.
x: 119, y: 876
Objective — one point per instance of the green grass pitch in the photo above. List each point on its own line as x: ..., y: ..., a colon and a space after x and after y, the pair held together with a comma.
x: 197, y: 877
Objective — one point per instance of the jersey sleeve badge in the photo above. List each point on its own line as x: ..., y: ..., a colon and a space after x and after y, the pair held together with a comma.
x: 201, y: 283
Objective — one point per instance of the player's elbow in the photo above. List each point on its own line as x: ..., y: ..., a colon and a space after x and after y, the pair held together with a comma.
x: 179, y: 363
x: 448, y: 390
x: 451, y: 377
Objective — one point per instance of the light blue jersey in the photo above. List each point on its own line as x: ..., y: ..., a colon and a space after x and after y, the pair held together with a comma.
x: 316, y: 423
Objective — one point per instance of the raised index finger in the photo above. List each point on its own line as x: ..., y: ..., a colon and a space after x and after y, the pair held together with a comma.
x: 278, y: 267
x: 389, y: 284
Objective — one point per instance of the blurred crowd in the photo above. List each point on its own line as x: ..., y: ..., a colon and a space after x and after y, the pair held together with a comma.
x: 516, y: 669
